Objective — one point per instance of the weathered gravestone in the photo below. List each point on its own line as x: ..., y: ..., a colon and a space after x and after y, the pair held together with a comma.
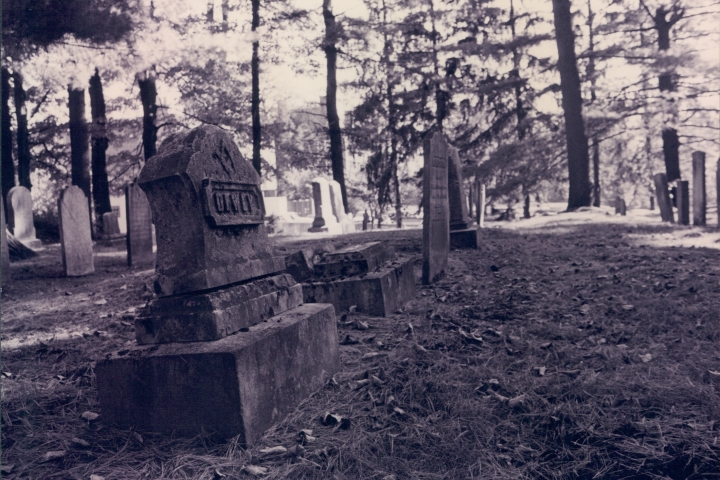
x: 347, y: 225
x: 325, y: 220
x: 139, y: 227
x: 20, y: 216
x: 436, y: 210
x: 368, y: 276
x: 526, y: 207
x: 683, y: 202
x: 699, y: 194
x: 462, y: 232
x: 481, y: 206
x: 663, y: 197
x: 111, y: 235
x: 228, y: 347
x: 5, y: 251
x: 471, y: 200
x: 75, y: 236
x: 620, y: 206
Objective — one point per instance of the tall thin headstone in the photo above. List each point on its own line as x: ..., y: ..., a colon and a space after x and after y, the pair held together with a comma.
x: 5, y: 272
x: 683, y: 202
x: 481, y: 207
x: 237, y: 350
x: 75, y: 236
x: 459, y: 219
x: 663, y: 197
x: 338, y: 208
x: 325, y: 220
x: 436, y: 209
x: 139, y: 227
x: 20, y: 216
x: 526, y: 207
x: 471, y: 200
x: 699, y: 193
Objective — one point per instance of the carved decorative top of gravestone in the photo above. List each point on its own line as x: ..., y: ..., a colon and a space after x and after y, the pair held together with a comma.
x: 209, y: 213
x: 436, y: 214
x: 459, y: 218
x: 20, y: 216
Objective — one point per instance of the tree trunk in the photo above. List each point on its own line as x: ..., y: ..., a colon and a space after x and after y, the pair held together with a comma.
x: 255, y: 107
x: 671, y: 142
x: 99, y: 142
x: 8, y: 166
x: 79, y: 155
x: 336, y: 152
x: 593, y: 97
x: 22, y: 133
x: 577, y: 144
x: 148, y: 97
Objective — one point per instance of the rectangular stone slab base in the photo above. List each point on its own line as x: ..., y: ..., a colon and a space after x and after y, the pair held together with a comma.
x: 378, y: 293
x: 239, y: 385
x: 468, y: 238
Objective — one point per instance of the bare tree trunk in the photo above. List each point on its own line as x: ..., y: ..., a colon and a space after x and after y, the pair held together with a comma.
x: 577, y: 144
x: 99, y: 142
x: 148, y: 98
x: 255, y: 107
x: 8, y: 166
x: 667, y: 83
x: 593, y: 97
x: 23, y: 144
x: 335, y: 133
x: 79, y: 155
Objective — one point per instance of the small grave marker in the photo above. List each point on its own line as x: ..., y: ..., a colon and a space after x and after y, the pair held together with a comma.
x: 683, y: 202
x: 75, y: 236
x: 698, y: 193
x: 139, y: 227
x: 20, y: 216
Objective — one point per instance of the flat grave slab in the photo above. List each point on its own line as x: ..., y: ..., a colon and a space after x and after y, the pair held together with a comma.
x: 354, y: 260
x: 378, y: 293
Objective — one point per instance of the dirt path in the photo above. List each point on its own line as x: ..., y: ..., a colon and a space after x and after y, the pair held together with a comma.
x: 573, y: 345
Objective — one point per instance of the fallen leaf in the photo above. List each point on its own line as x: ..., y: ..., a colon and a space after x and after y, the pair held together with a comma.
x: 541, y: 371
x: 305, y: 436
x: 348, y: 340
x: 96, y: 477
x: 585, y: 309
x: 645, y: 358
x: 6, y: 469
x: 352, y: 309
x: 360, y: 325
x: 627, y: 307
x: 470, y: 337
x: 712, y: 372
x: 296, y: 451
x: 217, y: 475
x: 273, y: 450
x: 90, y: 416
x: 419, y: 348
x: 331, y: 419
x: 53, y: 455
x: 370, y: 355
x: 410, y: 330
x: 399, y: 411
x: 79, y: 442
x: 7, y: 374
x: 514, y: 402
x: 100, y: 302
x: 254, y: 470
x: 138, y: 438
x: 622, y: 346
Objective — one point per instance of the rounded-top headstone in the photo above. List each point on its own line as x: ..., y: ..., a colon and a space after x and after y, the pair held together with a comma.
x: 75, y: 236
x: 20, y: 213
x: 208, y: 211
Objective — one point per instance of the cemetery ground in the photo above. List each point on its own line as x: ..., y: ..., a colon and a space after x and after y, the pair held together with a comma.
x: 571, y: 346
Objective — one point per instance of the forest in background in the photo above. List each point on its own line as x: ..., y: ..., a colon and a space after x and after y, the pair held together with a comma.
x: 91, y: 87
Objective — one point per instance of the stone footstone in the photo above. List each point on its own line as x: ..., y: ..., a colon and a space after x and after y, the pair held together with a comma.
x: 378, y: 293
x: 233, y: 349
x: 75, y: 237
x: 468, y: 238
x: 459, y: 218
x: 216, y: 314
x: 699, y: 195
x: 354, y: 260
x: 239, y: 385
x: 20, y: 216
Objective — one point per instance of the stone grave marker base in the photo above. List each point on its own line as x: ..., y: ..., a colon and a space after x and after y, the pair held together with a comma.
x: 468, y: 238
x: 112, y: 241
x: 354, y: 260
x: 239, y: 385
x: 206, y: 316
x: 378, y: 293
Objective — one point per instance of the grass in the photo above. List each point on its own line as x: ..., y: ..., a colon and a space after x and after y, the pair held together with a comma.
x: 557, y: 352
